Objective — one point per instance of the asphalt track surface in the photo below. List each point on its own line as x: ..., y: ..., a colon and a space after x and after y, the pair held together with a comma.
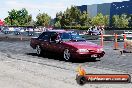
x: 20, y: 67
x: 112, y: 60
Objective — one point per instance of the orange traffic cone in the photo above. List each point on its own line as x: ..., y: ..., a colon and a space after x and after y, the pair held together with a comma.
x: 124, y: 41
x: 116, y: 43
x: 81, y: 71
x: 102, y: 40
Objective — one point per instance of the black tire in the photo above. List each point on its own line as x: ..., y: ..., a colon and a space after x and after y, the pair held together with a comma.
x: 67, y: 55
x: 39, y: 50
x: 81, y: 80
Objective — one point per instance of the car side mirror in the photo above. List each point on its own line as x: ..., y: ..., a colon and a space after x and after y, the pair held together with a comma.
x: 57, y: 41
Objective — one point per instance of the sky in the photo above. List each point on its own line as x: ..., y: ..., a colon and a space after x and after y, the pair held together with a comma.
x: 51, y: 7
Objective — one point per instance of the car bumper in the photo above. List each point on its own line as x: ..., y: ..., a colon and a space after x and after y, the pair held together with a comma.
x: 87, y: 55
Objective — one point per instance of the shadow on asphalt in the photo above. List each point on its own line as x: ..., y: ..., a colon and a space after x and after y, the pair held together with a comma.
x: 55, y: 57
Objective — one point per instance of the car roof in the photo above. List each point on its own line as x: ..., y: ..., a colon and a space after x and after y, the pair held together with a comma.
x: 60, y: 31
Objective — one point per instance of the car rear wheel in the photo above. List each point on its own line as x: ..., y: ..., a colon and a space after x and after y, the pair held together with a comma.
x: 67, y: 55
x: 38, y: 50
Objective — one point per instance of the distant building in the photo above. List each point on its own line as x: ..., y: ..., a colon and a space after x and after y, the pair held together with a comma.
x: 115, y: 8
x: 118, y: 8
x: 82, y: 8
x: 94, y: 9
x: 104, y: 8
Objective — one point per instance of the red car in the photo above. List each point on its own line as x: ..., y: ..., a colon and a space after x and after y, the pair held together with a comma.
x: 67, y: 44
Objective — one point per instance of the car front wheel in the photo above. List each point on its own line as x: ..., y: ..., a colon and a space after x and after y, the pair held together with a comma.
x: 38, y: 50
x: 67, y: 55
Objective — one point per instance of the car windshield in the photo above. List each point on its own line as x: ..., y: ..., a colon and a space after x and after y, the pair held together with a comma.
x: 71, y: 36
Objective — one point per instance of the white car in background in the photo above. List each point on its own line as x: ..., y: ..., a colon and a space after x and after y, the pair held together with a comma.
x: 128, y: 34
x: 5, y: 30
x: 11, y: 28
x: 94, y: 32
x: 17, y: 31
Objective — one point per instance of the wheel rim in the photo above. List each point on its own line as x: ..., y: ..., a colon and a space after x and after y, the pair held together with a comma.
x: 38, y: 50
x: 66, y: 54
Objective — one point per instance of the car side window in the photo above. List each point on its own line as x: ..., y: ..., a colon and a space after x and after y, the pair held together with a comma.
x: 44, y: 36
x: 53, y: 36
x: 41, y: 35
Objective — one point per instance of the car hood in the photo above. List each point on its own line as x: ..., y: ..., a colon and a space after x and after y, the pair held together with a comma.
x: 83, y: 45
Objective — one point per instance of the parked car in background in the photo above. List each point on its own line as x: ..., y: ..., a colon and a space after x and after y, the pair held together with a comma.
x: 67, y: 44
x: 94, y: 31
x: 128, y: 34
x: 5, y: 31
x: 17, y: 31
x: 30, y: 31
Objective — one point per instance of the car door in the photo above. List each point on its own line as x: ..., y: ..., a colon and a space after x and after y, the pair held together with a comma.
x: 44, y: 41
x: 54, y: 46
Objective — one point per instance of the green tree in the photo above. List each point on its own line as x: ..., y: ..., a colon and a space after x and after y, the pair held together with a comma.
x: 121, y: 21
x: 70, y: 17
x: 57, y: 24
x: 66, y: 20
x: 59, y: 16
x: 106, y: 20
x: 75, y: 14
x: 100, y: 20
x: 7, y: 21
x: 74, y: 17
x: 43, y: 19
x: 18, y: 17
x: 85, y: 19
x: 115, y: 20
x: 58, y: 20
x: 124, y: 21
